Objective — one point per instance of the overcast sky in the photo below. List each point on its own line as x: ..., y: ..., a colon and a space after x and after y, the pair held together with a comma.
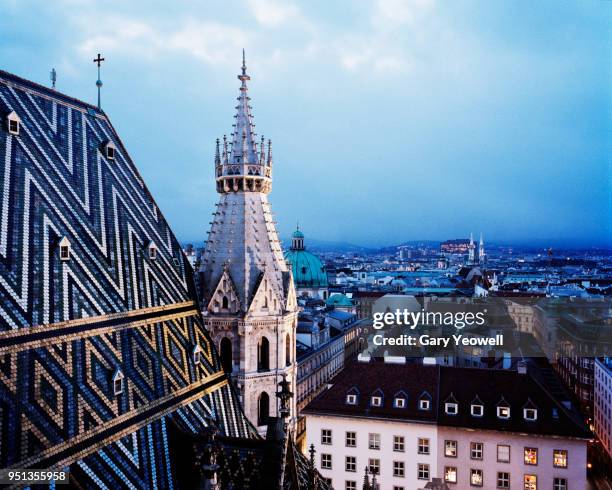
x: 391, y: 120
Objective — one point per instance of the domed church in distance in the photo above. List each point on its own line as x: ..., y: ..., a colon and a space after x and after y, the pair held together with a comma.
x: 309, y: 274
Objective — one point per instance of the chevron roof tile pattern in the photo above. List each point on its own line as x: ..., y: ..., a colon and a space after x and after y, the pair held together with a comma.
x: 98, y: 312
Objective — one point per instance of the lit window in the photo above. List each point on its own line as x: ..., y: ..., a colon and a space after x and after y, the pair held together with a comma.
x: 350, y: 464
x: 450, y: 474
x: 503, y: 453
x: 326, y: 436
x: 476, y: 477
x: 477, y: 410
x: 530, y: 482
x: 531, y: 455
x: 560, y: 484
x: 326, y: 461
x: 398, y: 469
x: 118, y: 382
x: 476, y: 450
x: 451, y: 408
x: 398, y: 444
x: 350, y: 485
x: 530, y: 414
x: 423, y: 471
x: 376, y: 401
x: 64, y: 249
x: 503, y: 479
x: 351, y: 439
x: 374, y: 464
x: 450, y: 449
x: 399, y: 402
x: 423, y: 446
x: 503, y: 412
x: 351, y: 399
x: 374, y: 441
x: 14, y: 123
x: 560, y: 458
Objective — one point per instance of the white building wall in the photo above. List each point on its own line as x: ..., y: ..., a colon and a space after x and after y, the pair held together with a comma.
x: 602, y: 406
x: 363, y: 427
x: 544, y: 470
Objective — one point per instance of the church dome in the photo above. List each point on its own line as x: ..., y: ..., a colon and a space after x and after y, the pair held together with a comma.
x: 308, y: 270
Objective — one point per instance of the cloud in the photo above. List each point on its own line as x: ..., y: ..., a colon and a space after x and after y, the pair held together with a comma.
x: 272, y: 13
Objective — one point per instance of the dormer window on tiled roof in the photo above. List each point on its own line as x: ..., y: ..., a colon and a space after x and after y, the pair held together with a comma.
x: 64, y: 249
x: 451, y: 406
x: 152, y: 251
x: 530, y: 414
x: 376, y: 400
x: 477, y: 407
x: 351, y: 399
x: 118, y: 382
x: 197, y: 354
x: 399, y: 402
x: 109, y: 150
x: 503, y: 409
x: 424, y: 402
x: 13, y: 123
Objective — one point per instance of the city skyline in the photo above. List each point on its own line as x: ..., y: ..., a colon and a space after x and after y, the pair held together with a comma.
x: 523, y: 157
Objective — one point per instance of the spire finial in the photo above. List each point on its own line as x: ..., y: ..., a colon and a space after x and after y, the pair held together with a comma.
x: 243, y: 62
x: 269, y: 152
x: 217, y: 153
x: 99, y: 61
x: 53, y: 77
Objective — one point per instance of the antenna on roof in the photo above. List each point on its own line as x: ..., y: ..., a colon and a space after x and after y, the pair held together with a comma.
x: 99, y: 61
x: 53, y: 77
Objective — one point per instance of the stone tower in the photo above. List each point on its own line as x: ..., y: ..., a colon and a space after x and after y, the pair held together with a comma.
x: 471, y: 250
x: 249, y: 300
x: 481, y: 251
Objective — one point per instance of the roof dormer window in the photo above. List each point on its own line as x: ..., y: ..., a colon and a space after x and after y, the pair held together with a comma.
x: 399, y: 403
x: 64, y: 249
x: 197, y: 354
x: 351, y: 399
x: 13, y: 123
x: 376, y: 401
x: 152, y: 251
x: 503, y: 412
x: 451, y: 408
x: 424, y: 404
x: 118, y: 382
x: 530, y: 414
x: 109, y: 150
x: 477, y: 407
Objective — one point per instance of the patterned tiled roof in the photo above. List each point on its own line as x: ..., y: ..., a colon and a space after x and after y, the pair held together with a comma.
x: 68, y: 323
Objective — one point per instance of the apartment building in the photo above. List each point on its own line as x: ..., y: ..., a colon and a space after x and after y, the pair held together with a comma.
x: 474, y: 428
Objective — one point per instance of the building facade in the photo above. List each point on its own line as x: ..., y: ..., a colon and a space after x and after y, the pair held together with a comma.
x: 411, y: 423
x: 602, y: 406
x: 248, y: 296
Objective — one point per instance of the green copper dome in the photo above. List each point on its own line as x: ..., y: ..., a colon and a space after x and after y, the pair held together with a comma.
x: 339, y: 300
x: 308, y: 270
